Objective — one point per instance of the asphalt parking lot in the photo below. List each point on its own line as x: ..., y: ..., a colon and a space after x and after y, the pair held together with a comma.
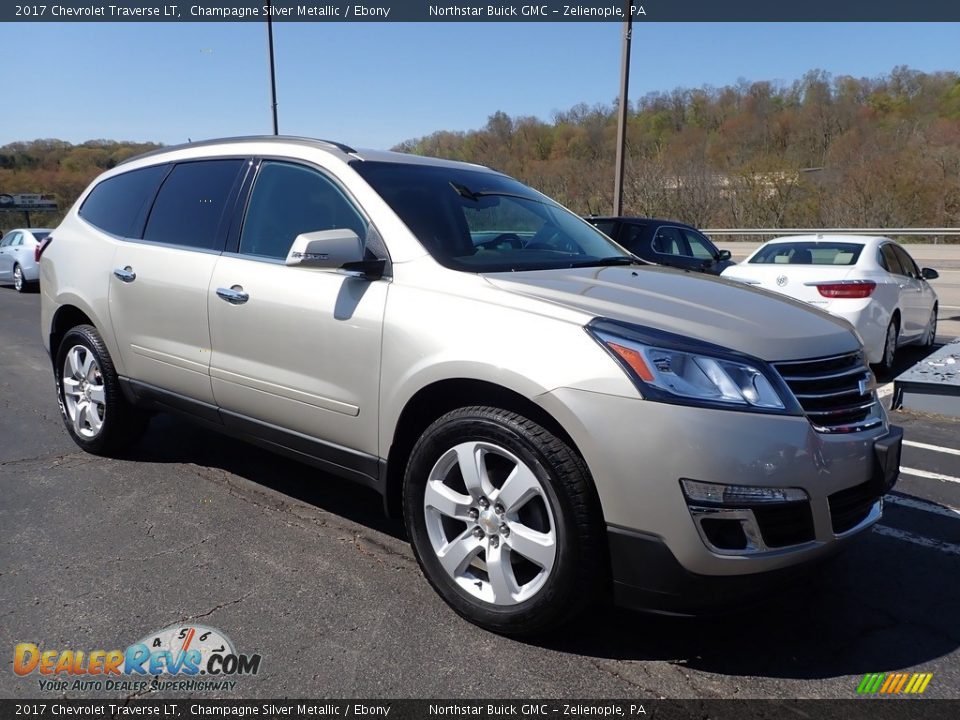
x: 304, y: 570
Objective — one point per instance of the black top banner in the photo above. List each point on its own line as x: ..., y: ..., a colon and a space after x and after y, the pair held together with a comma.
x: 470, y: 11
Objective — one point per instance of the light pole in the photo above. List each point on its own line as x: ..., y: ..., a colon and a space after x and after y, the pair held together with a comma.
x: 273, y: 76
x: 622, y: 114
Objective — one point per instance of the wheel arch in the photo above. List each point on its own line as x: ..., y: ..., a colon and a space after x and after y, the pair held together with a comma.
x: 69, y: 315
x: 440, y: 397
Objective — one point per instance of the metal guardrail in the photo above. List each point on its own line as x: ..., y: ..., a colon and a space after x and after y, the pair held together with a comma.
x: 831, y: 231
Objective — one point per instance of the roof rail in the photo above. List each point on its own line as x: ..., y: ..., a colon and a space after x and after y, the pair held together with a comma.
x: 244, y: 138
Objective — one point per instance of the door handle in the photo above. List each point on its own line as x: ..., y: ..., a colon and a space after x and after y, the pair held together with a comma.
x: 233, y: 295
x: 126, y: 274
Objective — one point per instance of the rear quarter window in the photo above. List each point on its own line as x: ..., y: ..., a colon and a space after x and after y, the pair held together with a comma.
x: 118, y: 205
x: 607, y: 227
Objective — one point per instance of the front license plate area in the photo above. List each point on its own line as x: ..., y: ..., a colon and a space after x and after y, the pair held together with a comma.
x: 886, y: 450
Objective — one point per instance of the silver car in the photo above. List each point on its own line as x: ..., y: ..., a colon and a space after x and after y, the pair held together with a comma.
x: 553, y: 421
x: 18, y: 263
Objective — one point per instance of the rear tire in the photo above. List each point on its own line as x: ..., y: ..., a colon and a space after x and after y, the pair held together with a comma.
x: 890, y: 346
x: 92, y: 405
x: 19, y: 283
x: 930, y: 335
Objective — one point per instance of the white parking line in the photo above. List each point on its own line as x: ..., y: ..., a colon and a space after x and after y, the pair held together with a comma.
x: 935, y: 448
x: 885, y: 390
x: 945, y: 510
x: 923, y: 541
x: 928, y: 475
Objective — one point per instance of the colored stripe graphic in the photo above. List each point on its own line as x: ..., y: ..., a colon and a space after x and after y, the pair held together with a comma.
x: 894, y: 683
x: 870, y: 683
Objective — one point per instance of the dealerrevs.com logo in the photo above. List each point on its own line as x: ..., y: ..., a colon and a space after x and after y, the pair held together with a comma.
x: 189, y: 658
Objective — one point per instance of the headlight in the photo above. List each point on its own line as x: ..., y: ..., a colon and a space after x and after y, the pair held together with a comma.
x: 672, y: 368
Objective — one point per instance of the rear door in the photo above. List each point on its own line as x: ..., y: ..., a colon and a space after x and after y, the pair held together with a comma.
x: 158, y: 288
x: 916, y: 297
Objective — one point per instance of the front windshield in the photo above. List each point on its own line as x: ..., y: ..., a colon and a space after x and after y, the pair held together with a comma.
x: 480, y: 221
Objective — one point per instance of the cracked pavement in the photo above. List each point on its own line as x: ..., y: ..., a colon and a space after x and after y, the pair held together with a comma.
x: 304, y: 569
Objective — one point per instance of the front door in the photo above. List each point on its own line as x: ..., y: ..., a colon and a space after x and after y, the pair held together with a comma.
x: 6, y: 255
x: 296, y: 350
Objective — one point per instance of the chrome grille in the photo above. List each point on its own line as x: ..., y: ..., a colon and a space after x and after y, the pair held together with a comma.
x: 836, y: 393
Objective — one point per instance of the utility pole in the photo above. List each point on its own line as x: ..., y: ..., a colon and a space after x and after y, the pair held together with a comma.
x: 273, y: 75
x: 622, y: 114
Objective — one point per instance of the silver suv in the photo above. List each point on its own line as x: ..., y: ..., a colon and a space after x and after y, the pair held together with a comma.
x: 552, y: 419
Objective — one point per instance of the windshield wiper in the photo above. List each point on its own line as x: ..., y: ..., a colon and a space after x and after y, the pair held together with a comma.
x: 464, y: 191
x: 607, y: 261
x: 475, y: 195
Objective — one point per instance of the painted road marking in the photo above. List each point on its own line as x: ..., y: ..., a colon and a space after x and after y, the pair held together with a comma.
x: 921, y: 540
x: 935, y: 448
x: 928, y: 475
x: 910, y: 502
x: 885, y: 390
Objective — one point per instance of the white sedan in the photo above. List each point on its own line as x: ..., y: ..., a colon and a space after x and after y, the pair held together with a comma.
x: 869, y: 281
x: 18, y: 262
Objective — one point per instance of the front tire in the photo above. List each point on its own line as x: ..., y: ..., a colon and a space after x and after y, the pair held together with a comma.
x: 94, y: 410
x: 504, y: 521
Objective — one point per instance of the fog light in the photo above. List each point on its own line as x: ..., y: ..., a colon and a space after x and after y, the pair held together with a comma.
x: 739, y: 495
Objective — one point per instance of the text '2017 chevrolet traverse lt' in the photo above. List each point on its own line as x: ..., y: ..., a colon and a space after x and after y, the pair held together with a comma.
x: 551, y: 419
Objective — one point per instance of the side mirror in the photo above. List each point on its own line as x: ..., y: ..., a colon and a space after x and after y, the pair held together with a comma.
x: 724, y: 255
x: 929, y: 274
x: 330, y: 249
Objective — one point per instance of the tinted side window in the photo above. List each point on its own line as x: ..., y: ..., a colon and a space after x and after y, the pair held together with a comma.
x: 700, y: 247
x: 668, y: 241
x: 906, y: 262
x: 190, y: 204
x: 630, y: 238
x: 890, y: 261
x: 8, y: 239
x: 117, y: 205
x: 604, y: 226
x: 288, y: 200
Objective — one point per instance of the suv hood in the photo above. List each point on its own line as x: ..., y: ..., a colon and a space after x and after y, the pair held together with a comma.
x: 714, y: 310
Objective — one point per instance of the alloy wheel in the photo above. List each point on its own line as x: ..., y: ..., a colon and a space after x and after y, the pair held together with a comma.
x: 490, y: 523
x: 890, y: 348
x: 18, y: 278
x: 931, y: 336
x: 84, y: 398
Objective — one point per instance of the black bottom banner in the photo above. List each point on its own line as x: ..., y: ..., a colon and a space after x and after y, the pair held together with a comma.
x: 865, y: 709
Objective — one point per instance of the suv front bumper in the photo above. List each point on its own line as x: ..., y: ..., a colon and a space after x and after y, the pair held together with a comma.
x: 639, y: 451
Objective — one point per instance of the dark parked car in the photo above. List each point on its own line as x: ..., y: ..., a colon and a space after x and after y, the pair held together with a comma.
x: 665, y: 242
